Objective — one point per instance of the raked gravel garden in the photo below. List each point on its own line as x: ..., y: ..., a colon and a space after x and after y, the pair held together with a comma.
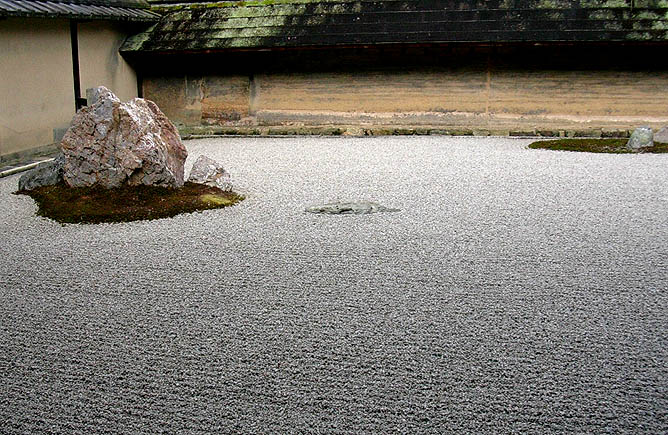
x: 515, y: 290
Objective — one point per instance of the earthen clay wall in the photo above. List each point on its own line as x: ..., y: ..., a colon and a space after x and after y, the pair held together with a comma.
x: 497, y: 100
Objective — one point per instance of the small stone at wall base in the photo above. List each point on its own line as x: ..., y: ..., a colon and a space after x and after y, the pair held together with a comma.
x: 45, y: 174
x: 641, y: 138
x: 208, y: 171
x: 661, y: 135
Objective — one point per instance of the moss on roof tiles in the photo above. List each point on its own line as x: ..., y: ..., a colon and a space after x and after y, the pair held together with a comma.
x: 294, y: 23
x: 136, y: 42
x: 241, y: 4
x: 477, y: 4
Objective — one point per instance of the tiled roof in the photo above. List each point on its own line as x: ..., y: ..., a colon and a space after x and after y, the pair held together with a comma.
x: 124, y: 10
x: 190, y: 26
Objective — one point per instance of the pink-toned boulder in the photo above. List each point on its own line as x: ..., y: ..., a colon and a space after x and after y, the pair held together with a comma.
x: 111, y: 144
x: 208, y: 171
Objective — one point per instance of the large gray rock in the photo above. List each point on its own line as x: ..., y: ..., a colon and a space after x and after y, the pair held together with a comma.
x: 641, y: 138
x: 661, y: 135
x: 208, y: 171
x: 111, y: 143
x: 358, y: 207
x: 45, y: 174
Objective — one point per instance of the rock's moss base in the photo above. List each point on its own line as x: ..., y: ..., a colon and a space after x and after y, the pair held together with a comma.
x: 131, y: 203
x: 613, y: 146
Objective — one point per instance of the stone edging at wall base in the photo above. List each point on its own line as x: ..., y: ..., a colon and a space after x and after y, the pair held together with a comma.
x: 31, y: 154
x: 393, y: 130
x: 26, y: 160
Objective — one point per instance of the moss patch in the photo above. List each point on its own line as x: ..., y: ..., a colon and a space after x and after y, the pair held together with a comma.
x: 125, y: 204
x: 613, y: 146
x: 216, y: 200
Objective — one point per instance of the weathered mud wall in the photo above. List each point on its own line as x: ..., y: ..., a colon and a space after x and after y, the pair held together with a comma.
x: 197, y: 100
x: 476, y: 98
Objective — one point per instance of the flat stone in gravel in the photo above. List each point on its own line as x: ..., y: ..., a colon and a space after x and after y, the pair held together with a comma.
x: 350, y: 207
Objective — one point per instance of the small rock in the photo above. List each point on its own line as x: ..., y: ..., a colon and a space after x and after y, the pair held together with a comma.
x: 111, y: 143
x: 45, y: 174
x: 208, y: 171
x: 641, y: 138
x: 359, y: 207
x: 661, y: 135
x: 93, y: 95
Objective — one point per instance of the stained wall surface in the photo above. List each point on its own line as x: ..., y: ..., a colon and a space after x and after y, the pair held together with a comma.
x: 476, y: 97
x: 200, y: 100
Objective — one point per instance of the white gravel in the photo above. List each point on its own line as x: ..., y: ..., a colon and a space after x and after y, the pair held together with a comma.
x: 517, y: 291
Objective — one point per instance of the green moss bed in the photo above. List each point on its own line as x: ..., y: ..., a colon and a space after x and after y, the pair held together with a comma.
x: 613, y: 146
x: 125, y: 204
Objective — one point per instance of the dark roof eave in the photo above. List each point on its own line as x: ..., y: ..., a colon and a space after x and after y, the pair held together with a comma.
x: 213, y: 51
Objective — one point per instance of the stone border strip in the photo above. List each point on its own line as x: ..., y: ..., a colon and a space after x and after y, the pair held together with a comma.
x: 362, y: 131
x: 215, y: 131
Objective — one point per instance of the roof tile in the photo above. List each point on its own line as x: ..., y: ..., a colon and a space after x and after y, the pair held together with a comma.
x: 125, y: 10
